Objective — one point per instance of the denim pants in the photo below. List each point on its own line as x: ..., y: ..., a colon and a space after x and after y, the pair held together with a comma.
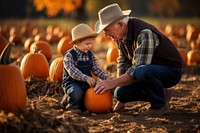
x: 151, y: 80
x: 75, y: 94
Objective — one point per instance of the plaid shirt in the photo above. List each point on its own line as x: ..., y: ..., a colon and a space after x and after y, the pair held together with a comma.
x: 75, y: 73
x: 140, y: 53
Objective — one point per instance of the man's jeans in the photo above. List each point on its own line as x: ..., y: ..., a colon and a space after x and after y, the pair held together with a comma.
x: 151, y: 80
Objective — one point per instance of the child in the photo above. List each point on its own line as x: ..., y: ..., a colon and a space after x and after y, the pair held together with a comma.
x: 79, y: 62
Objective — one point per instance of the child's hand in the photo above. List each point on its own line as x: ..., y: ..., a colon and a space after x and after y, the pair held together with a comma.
x: 91, y: 81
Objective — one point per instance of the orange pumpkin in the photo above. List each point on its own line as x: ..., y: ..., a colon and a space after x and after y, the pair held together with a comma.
x: 98, y: 103
x: 44, y: 47
x: 183, y: 54
x: 3, y: 43
x: 34, y: 64
x: 56, y: 69
x: 12, y: 88
x: 193, y: 57
x: 111, y: 55
x: 51, y: 38
x: 63, y: 45
x: 16, y: 38
x: 28, y: 43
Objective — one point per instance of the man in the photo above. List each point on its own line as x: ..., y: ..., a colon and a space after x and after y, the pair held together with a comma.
x: 148, y: 62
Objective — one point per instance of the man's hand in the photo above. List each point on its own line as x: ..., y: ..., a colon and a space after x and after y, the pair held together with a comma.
x: 104, y: 85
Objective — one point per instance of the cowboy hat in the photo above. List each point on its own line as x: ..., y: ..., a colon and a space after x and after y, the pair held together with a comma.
x: 82, y: 31
x: 108, y: 15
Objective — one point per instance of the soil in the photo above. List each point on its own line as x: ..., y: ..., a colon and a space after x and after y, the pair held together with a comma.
x: 43, y: 113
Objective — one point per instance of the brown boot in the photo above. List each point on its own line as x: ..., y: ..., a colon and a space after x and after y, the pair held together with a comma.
x: 163, y: 110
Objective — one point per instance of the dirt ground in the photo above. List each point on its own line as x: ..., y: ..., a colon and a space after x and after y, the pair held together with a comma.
x: 43, y: 114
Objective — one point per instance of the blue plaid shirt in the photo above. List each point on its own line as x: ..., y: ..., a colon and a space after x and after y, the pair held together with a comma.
x: 140, y: 53
x: 75, y: 73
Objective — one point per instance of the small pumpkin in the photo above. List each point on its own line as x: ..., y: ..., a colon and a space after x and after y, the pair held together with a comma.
x: 28, y: 43
x: 16, y: 38
x: 193, y: 57
x: 63, y: 45
x: 34, y: 64
x: 98, y: 103
x: 111, y: 55
x: 44, y: 47
x: 183, y: 54
x: 56, y: 69
x: 12, y: 88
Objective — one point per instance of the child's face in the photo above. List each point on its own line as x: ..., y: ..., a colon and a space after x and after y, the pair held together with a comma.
x: 85, y: 45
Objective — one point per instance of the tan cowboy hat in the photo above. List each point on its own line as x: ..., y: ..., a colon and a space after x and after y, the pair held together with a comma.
x: 108, y: 15
x: 82, y: 31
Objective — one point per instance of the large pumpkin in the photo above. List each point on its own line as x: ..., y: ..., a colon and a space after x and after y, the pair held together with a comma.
x: 34, y: 64
x: 12, y: 88
x: 111, y: 55
x: 56, y: 69
x: 98, y: 103
x: 44, y: 47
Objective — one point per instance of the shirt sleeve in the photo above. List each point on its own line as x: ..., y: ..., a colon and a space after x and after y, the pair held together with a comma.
x: 143, y: 54
x: 74, y: 72
x: 123, y: 63
x: 96, y: 69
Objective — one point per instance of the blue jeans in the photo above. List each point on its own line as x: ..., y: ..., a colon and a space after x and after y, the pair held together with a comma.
x: 151, y: 80
x: 75, y: 94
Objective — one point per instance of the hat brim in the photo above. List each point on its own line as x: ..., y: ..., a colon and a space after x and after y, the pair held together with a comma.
x: 99, y: 27
x: 88, y: 36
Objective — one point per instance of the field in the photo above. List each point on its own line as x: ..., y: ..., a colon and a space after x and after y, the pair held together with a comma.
x: 43, y: 113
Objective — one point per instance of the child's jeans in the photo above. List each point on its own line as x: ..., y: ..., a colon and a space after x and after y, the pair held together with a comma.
x: 75, y: 94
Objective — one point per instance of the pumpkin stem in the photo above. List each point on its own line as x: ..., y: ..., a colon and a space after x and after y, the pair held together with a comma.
x: 35, y: 49
x: 5, y: 55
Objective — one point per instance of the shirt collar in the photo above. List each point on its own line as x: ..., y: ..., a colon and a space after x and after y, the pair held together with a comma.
x: 79, y: 52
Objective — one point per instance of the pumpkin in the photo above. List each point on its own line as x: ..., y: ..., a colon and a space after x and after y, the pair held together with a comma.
x: 34, y: 64
x: 111, y: 55
x: 98, y: 103
x: 193, y: 57
x: 16, y: 38
x: 28, y: 43
x: 195, y: 44
x: 12, y: 88
x: 3, y: 43
x: 40, y: 37
x: 51, y: 38
x: 56, y: 69
x: 63, y: 45
x: 44, y: 47
x: 183, y: 54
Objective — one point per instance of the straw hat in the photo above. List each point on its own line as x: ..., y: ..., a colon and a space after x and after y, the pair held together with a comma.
x: 82, y: 31
x: 108, y: 15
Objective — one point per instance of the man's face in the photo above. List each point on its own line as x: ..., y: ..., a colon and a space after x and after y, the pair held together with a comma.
x: 114, y: 31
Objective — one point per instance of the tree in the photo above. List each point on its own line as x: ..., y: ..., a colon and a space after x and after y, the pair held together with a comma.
x: 53, y: 7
